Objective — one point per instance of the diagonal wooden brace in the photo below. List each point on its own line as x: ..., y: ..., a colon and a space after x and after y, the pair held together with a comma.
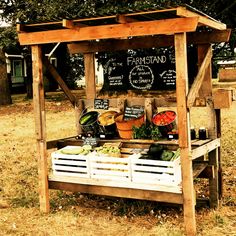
x: 60, y: 81
x: 199, y: 79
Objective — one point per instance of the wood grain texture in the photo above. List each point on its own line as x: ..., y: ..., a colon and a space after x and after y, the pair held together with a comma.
x: 90, y: 83
x: 40, y: 127
x: 184, y: 133
x: 167, y: 26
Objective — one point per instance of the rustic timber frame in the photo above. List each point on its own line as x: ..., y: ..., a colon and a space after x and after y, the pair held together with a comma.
x: 176, y: 27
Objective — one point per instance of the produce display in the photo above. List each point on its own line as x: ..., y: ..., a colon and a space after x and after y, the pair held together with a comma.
x: 108, y: 151
x: 164, y: 118
x: 157, y: 152
x: 80, y: 150
x: 88, y: 118
x: 107, y: 118
x: 146, y: 131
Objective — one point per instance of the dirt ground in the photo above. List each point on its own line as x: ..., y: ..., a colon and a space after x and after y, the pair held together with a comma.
x: 82, y: 214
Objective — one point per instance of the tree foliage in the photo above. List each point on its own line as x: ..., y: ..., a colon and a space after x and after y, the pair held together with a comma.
x: 52, y: 10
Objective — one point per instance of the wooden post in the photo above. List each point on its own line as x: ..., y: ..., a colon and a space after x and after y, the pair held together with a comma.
x: 213, y: 182
x: 213, y: 128
x: 40, y: 127
x: 89, y: 64
x: 184, y: 133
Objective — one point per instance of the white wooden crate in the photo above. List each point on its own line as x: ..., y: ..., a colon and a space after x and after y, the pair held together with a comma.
x: 106, y: 167
x: 70, y: 165
x: 166, y: 173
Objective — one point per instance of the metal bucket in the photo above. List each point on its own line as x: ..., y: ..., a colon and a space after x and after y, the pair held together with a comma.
x: 88, y: 123
x: 107, y: 123
x: 167, y: 124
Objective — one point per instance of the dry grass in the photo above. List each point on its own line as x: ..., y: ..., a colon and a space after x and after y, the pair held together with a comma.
x: 81, y: 214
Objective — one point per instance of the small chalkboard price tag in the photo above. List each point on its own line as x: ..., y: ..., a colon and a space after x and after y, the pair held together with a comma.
x: 133, y: 112
x: 91, y: 141
x: 101, y: 104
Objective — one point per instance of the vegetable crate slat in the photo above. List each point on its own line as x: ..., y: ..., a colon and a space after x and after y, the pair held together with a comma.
x: 156, y: 172
x: 70, y: 165
x: 103, y: 167
x: 130, y: 169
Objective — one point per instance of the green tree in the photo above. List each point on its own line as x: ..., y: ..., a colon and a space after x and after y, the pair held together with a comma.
x: 52, y: 10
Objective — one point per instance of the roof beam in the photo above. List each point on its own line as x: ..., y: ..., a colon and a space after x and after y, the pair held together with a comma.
x: 69, y: 24
x: 148, y: 42
x: 122, y: 19
x: 182, y: 11
x: 168, y: 26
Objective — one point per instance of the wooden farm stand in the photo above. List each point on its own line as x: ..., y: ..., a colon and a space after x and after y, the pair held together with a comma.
x: 178, y: 27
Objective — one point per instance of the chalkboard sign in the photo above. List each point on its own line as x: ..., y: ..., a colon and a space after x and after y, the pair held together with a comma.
x: 90, y: 141
x: 133, y: 112
x: 101, y: 104
x: 143, y: 72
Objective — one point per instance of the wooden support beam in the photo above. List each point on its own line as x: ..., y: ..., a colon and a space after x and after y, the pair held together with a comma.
x: 68, y: 24
x: 147, y: 42
x: 116, y: 191
x: 90, y: 82
x: 40, y: 127
x: 214, y: 182
x: 198, y: 168
x: 20, y: 28
x: 184, y: 135
x: 198, y: 80
x: 207, y: 21
x: 122, y: 19
x: 204, y: 149
x: 205, y: 90
x: 167, y: 26
x: 60, y: 81
x: 207, y: 173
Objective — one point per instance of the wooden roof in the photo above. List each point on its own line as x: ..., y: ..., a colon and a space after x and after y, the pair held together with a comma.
x: 156, y: 22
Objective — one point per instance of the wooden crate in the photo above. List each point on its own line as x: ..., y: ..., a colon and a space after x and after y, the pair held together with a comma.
x: 222, y: 98
x: 70, y: 165
x: 107, y: 167
x: 156, y: 172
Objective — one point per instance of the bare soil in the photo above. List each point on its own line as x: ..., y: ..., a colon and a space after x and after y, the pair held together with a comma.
x: 82, y: 214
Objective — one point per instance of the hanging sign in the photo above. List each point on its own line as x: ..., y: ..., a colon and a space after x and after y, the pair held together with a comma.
x: 101, y: 104
x: 133, y: 112
x: 148, y: 72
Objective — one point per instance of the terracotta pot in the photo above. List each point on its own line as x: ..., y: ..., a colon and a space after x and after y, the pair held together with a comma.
x: 125, y: 126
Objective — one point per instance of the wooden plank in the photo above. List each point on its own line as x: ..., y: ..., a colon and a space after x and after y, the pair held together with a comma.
x: 68, y: 24
x: 125, y: 192
x: 184, y: 133
x: 168, y: 26
x: 122, y: 19
x: 208, y: 173
x: 149, y: 109
x: 20, y: 28
x: 40, y: 127
x: 214, y: 182
x: 198, y: 168
x: 148, y: 42
x: 198, y: 80
x: 205, y: 90
x: 79, y: 107
x: 60, y: 81
x: 222, y: 98
x: 204, y: 149
x: 182, y: 11
x: 90, y: 82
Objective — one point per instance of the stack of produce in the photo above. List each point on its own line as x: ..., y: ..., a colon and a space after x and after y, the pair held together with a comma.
x: 157, y: 152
